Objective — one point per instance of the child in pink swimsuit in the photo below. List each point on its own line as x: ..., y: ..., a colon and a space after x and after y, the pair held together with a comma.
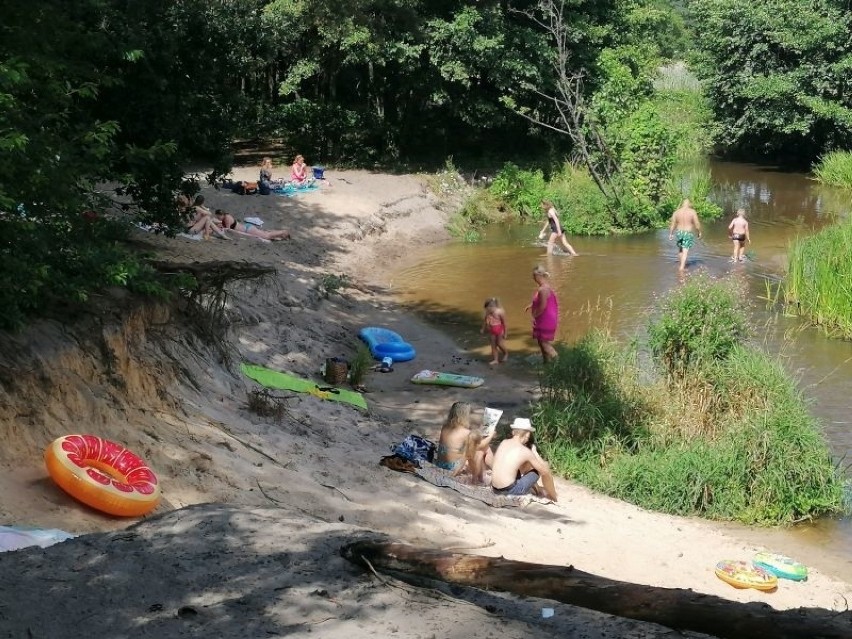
x: 494, y: 323
x: 545, y: 314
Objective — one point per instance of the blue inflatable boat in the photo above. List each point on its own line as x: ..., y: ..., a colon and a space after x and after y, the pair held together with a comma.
x: 384, y: 342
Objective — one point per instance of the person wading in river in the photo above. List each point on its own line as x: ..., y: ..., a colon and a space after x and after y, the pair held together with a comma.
x: 685, y: 225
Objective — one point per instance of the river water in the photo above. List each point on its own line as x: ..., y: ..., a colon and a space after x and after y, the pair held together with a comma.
x: 616, y: 280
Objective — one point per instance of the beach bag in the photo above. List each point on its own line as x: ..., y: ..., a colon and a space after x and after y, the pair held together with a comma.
x: 415, y: 448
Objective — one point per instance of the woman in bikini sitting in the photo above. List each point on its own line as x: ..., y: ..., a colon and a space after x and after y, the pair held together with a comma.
x: 202, y: 221
x: 452, y: 443
x: 228, y: 222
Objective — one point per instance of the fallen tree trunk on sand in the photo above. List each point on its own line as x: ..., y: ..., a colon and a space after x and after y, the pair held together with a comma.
x: 672, y: 607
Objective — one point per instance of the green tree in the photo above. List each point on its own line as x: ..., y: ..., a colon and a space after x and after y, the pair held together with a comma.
x: 777, y: 74
x: 102, y: 104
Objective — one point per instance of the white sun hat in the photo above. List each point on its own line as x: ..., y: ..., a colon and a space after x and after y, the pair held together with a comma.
x: 522, y: 423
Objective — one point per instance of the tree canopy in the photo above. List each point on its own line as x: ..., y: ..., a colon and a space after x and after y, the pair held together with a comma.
x: 777, y: 73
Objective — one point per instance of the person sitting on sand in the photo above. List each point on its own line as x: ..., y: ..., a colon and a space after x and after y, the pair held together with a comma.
x: 228, y: 222
x: 299, y: 175
x: 266, y: 178
x: 202, y: 221
x: 452, y: 443
x: 517, y: 469
x: 478, y: 456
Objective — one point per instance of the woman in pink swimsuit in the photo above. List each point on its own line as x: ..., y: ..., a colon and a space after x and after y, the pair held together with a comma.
x: 545, y: 313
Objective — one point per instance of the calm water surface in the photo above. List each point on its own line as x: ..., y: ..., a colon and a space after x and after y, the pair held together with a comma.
x: 616, y: 281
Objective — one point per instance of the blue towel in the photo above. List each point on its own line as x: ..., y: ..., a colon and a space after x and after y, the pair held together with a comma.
x: 289, y: 190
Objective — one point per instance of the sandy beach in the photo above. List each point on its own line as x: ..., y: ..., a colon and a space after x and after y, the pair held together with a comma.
x: 246, y: 540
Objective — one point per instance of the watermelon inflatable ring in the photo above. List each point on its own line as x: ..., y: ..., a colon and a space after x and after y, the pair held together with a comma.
x: 103, y: 475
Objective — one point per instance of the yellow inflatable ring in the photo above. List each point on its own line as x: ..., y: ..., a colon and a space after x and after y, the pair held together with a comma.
x: 103, y: 475
x: 743, y: 574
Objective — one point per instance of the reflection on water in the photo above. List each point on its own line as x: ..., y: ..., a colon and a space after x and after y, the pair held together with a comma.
x: 616, y: 280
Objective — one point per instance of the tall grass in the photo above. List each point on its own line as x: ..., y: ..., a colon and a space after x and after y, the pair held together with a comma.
x: 835, y: 169
x: 728, y: 438
x: 819, y: 278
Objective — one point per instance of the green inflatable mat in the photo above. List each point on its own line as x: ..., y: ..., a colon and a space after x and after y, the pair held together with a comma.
x: 282, y: 381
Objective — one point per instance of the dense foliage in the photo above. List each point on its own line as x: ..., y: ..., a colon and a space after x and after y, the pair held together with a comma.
x: 777, y: 74
x: 102, y: 105
x: 835, y: 169
x: 819, y: 279
x: 714, y: 437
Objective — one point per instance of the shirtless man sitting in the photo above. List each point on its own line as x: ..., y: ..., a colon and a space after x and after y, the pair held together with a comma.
x: 517, y: 469
x: 685, y: 224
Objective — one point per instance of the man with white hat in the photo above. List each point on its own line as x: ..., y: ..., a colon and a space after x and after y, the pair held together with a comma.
x: 517, y: 469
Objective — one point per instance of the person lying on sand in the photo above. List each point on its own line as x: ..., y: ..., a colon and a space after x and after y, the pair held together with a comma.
x: 518, y: 469
x: 228, y: 222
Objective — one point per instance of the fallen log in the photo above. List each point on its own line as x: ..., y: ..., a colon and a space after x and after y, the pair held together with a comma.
x: 675, y: 608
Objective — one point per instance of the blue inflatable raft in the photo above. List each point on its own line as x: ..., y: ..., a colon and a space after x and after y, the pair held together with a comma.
x: 384, y: 342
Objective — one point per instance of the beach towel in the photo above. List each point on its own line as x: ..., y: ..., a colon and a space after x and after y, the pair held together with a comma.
x: 442, y: 479
x: 17, y: 537
x: 290, y: 190
x: 283, y: 381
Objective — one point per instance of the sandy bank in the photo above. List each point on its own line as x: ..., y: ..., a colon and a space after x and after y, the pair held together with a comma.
x: 265, y: 563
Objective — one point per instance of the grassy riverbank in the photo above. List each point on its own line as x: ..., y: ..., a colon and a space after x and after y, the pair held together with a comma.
x: 716, y: 429
x: 819, y: 279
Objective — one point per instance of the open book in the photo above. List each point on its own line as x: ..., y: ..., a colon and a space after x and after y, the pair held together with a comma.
x: 490, y: 417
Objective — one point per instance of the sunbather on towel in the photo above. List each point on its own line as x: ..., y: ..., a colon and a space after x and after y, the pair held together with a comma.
x: 266, y: 174
x: 228, y: 222
x: 299, y: 172
x: 478, y: 456
x: 203, y: 221
x: 461, y: 449
x: 518, y: 469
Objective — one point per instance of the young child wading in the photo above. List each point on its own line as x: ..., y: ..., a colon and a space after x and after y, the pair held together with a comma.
x: 495, y: 324
x: 738, y: 229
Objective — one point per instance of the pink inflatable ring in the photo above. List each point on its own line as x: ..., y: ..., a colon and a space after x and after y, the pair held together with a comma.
x: 103, y: 475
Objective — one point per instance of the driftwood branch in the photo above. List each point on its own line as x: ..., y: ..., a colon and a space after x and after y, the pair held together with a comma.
x: 214, y: 274
x: 672, y: 607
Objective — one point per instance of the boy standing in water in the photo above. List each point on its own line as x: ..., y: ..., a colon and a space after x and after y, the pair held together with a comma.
x: 685, y: 224
x: 738, y: 232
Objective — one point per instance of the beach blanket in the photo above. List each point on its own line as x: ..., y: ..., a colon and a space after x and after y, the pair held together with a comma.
x: 283, y: 381
x: 289, y: 190
x: 442, y: 479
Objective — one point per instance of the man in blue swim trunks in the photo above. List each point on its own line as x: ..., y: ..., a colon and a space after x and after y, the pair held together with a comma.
x: 517, y: 469
x: 685, y: 224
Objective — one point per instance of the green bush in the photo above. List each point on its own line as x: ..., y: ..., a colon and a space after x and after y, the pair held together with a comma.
x: 54, y: 265
x: 760, y: 457
x: 699, y: 323
x: 819, y: 278
x: 520, y: 190
x: 583, y: 209
x: 835, y: 169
